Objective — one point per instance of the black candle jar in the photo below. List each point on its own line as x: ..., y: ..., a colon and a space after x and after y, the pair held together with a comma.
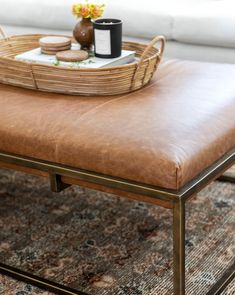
x: 108, y: 37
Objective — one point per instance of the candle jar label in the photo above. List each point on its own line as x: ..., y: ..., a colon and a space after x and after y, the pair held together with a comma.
x: 103, y: 42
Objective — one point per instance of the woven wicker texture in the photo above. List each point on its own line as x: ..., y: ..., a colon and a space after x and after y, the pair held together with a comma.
x: 75, y: 81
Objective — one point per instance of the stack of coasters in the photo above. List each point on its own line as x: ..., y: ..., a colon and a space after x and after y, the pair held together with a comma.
x: 53, y: 44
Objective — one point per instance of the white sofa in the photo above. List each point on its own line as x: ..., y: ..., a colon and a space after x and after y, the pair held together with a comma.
x: 196, y: 29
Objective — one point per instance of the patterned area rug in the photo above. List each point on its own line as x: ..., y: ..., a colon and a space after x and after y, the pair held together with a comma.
x: 105, y: 245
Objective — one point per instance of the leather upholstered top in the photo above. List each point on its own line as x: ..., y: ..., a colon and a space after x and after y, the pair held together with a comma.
x: 163, y: 135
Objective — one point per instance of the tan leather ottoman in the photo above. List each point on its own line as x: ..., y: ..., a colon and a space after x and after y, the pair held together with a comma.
x: 160, y: 145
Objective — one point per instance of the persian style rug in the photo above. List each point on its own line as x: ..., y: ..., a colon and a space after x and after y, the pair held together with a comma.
x: 106, y: 245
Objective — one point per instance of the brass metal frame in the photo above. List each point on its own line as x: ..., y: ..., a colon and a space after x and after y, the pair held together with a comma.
x: 175, y: 199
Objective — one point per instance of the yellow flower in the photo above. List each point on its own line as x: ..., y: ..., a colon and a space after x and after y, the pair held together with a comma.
x: 88, y: 10
x: 74, y: 9
x: 96, y: 10
x: 84, y: 11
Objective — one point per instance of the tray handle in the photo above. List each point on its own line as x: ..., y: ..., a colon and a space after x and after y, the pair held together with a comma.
x: 157, y: 39
x: 2, y: 34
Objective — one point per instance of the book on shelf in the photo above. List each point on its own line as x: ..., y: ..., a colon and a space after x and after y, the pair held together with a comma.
x: 35, y: 56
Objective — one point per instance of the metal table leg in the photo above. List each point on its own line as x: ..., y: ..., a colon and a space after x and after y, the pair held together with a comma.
x: 179, y: 247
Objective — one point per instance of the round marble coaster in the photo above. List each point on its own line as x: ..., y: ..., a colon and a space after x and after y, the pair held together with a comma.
x: 54, y: 41
x: 72, y: 55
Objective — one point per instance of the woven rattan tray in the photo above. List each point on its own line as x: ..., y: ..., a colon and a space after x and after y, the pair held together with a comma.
x: 50, y: 78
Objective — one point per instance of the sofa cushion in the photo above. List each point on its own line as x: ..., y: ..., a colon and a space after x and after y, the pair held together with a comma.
x: 209, y: 23
x: 206, y: 22
x: 147, y: 21
x: 53, y: 14
x: 143, y: 20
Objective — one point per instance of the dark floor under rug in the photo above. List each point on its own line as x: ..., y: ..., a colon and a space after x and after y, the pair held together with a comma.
x: 105, y: 245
